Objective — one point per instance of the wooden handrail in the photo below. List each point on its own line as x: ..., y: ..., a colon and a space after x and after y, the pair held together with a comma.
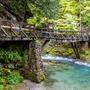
x: 20, y: 30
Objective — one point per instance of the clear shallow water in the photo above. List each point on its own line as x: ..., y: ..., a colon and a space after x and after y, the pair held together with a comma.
x: 68, y: 76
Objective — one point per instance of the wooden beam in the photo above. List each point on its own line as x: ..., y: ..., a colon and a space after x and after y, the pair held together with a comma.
x: 75, y: 49
x: 5, y: 32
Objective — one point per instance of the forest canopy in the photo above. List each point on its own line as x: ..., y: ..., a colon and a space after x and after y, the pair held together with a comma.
x: 65, y: 14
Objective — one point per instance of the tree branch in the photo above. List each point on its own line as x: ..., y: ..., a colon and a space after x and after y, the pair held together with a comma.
x: 9, y: 9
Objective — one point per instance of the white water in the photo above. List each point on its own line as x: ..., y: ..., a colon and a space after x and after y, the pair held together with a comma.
x: 58, y: 58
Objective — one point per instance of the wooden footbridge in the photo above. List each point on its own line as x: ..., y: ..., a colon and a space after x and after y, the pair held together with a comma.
x: 10, y: 31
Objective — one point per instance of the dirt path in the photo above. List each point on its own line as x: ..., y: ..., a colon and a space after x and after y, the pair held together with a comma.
x: 28, y: 85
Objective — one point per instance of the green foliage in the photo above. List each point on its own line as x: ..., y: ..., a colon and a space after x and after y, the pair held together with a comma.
x: 4, y: 72
x: 46, y: 8
x: 8, y: 76
x: 85, y: 13
x: 68, y: 19
x: 40, y: 76
x: 85, y: 54
x: 11, y: 56
x: 62, y: 50
x: 2, y: 81
x: 11, y: 59
x: 66, y: 14
x: 37, y: 21
x: 14, y: 78
x: 1, y: 87
x: 72, y: 14
x: 30, y: 8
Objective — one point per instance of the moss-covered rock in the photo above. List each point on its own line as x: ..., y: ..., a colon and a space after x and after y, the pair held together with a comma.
x: 36, y: 76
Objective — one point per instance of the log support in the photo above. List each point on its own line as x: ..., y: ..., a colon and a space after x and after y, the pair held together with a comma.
x: 75, y: 49
x: 36, y: 71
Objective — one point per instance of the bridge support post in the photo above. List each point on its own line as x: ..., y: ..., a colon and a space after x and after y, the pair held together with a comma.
x: 75, y: 49
x: 36, y: 71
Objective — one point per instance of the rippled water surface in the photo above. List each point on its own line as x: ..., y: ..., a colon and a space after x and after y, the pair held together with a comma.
x: 67, y: 76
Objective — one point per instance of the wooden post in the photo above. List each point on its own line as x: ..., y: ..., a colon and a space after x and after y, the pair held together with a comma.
x: 36, y: 65
x: 75, y: 49
x: 0, y: 27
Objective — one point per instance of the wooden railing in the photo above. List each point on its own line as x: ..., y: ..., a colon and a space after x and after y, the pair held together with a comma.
x: 19, y: 31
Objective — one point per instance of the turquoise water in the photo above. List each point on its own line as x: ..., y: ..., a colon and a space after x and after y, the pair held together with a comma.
x: 67, y: 76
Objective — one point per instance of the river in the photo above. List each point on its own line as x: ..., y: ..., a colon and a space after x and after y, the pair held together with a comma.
x: 67, y: 74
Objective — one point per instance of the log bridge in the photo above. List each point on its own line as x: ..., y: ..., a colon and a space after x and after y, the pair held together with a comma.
x: 10, y: 31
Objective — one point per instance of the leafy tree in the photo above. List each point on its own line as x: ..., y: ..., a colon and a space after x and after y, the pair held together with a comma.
x: 69, y: 11
x: 23, y: 9
x: 66, y: 14
x: 85, y: 13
